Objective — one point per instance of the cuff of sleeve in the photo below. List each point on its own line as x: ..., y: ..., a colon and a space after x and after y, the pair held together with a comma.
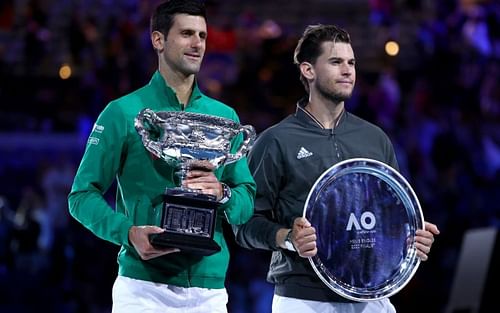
x: 226, y: 205
x: 123, y: 233
x: 236, y: 210
x: 272, y: 237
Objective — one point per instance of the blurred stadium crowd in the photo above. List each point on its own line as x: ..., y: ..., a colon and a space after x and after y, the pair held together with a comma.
x: 438, y: 99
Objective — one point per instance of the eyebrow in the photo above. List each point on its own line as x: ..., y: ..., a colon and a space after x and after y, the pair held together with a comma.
x: 339, y: 58
x: 193, y: 31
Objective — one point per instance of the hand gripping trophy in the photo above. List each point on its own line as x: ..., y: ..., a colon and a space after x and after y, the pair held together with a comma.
x: 187, y: 141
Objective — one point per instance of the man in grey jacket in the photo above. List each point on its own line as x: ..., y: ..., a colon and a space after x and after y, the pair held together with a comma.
x: 287, y: 159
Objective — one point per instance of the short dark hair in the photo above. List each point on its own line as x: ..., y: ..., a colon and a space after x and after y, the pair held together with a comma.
x: 163, y: 16
x: 309, y: 46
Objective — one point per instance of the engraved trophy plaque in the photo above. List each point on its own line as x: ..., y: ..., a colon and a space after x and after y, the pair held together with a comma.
x: 190, y: 141
x: 366, y: 216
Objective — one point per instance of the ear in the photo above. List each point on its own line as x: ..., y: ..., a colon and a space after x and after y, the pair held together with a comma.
x: 158, y: 40
x: 307, y: 70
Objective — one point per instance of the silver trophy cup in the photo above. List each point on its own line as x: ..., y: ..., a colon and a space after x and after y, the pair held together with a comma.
x: 366, y: 216
x: 189, y: 141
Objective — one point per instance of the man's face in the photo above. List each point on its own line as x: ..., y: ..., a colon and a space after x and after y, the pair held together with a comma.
x: 185, y: 44
x: 335, y: 72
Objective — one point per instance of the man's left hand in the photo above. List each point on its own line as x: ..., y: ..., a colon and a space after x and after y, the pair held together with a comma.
x: 205, y: 181
x: 425, y: 239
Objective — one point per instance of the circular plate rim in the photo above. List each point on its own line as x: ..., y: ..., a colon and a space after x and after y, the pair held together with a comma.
x: 419, y: 216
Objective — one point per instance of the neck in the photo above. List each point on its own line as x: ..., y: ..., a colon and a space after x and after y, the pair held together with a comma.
x: 181, y: 84
x: 328, y: 113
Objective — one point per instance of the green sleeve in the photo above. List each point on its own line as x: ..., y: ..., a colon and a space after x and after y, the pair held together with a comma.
x: 237, y: 176
x: 97, y: 171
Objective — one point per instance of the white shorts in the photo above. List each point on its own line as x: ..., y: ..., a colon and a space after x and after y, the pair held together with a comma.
x: 139, y: 296
x: 293, y: 305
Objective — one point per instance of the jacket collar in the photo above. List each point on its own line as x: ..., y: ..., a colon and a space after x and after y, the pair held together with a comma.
x: 304, y: 116
x: 166, y: 92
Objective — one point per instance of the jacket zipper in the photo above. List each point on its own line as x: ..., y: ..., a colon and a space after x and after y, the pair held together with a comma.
x: 334, y: 138
x: 335, y: 145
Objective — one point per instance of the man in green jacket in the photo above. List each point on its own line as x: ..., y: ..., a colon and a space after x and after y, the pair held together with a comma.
x: 153, y: 279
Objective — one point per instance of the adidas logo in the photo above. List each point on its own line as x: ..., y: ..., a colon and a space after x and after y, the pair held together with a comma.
x: 303, y: 153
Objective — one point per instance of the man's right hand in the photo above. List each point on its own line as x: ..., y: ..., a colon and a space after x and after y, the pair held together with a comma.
x: 138, y: 236
x: 304, y: 237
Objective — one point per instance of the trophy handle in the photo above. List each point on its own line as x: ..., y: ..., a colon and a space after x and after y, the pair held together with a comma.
x: 144, y: 123
x: 248, y: 140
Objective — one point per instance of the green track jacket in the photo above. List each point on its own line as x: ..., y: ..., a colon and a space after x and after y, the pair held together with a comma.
x: 115, y: 151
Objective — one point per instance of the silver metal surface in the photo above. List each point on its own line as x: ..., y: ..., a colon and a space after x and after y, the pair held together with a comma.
x: 186, y: 140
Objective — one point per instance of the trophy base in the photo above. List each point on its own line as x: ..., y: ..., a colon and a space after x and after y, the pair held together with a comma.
x: 189, y: 222
x: 185, y: 243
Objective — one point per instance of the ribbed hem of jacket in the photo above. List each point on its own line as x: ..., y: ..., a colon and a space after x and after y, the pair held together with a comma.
x: 308, y: 293
x: 139, y: 271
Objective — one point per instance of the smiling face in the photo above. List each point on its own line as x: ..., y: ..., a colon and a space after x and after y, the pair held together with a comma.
x: 333, y: 73
x: 183, y: 48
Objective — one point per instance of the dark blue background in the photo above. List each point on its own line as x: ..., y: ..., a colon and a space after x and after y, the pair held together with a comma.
x: 439, y: 101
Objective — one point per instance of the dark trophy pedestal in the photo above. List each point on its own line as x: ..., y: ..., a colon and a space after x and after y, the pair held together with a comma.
x: 189, y: 222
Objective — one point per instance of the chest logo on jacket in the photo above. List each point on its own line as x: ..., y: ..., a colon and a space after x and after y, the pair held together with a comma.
x: 303, y: 153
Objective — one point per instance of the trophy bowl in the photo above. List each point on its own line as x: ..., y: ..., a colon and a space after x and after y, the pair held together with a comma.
x: 366, y: 216
x: 186, y: 141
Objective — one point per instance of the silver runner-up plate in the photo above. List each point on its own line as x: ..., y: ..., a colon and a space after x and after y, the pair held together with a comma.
x: 366, y: 216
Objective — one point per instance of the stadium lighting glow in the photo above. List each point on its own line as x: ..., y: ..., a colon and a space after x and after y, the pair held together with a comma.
x: 392, y: 48
x: 65, y: 71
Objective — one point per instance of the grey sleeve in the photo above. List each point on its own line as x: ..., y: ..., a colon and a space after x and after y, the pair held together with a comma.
x: 265, y: 163
x: 390, y: 154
